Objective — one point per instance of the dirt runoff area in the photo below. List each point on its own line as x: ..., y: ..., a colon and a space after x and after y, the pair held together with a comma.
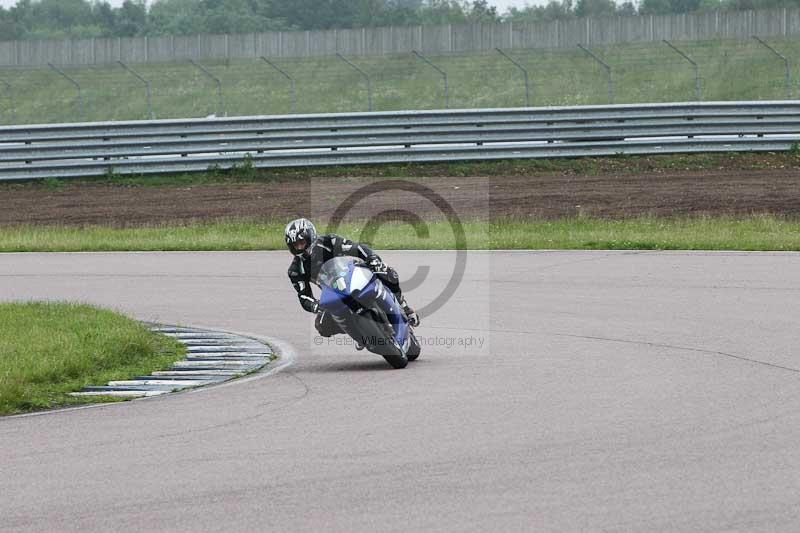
x: 726, y: 192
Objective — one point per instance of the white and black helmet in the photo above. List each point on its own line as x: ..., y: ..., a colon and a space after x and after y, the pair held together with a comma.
x: 298, y: 232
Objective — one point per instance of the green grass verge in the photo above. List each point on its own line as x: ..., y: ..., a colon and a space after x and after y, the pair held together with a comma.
x: 582, y: 233
x: 642, y: 72
x: 48, y: 350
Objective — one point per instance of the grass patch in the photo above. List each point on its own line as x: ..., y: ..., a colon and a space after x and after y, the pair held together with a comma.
x: 762, y: 233
x: 581, y: 233
x: 48, y: 350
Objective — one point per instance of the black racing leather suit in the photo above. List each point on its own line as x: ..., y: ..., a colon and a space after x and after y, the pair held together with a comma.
x: 304, y: 270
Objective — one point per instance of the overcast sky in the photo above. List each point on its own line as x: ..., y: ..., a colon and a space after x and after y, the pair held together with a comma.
x: 502, y: 5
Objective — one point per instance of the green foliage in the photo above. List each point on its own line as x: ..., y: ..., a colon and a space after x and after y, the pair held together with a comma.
x: 246, y: 170
x: 52, y: 349
x: 665, y: 7
x: 43, y: 19
x: 595, y: 8
x: 53, y: 183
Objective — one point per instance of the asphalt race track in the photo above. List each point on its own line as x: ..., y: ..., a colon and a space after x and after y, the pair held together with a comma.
x: 614, y: 391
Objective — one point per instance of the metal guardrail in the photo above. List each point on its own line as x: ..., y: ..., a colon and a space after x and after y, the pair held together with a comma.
x: 161, y: 146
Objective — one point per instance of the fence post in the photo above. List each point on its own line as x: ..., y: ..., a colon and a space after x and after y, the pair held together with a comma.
x: 450, y: 37
x: 77, y: 86
x: 444, y: 77
x: 364, y: 75
x: 218, y: 82
x: 10, y: 99
x: 697, y: 90
x: 292, y: 85
x: 608, y: 71
x: 524, y: 72
x: 146, y: 88
x: 785, y: 62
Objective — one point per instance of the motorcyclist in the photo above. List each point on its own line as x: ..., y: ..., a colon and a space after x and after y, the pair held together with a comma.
x: 311, y: 252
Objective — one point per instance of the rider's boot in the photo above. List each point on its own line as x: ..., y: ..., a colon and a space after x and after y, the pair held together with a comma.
x: 413, y: 317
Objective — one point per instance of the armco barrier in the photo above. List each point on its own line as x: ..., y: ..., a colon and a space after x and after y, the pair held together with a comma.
x: 161, y: 146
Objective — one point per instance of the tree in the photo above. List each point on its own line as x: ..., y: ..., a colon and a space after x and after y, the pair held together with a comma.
x: 174, y: 17
x: 104, y: 16
x: 441, y: 12
x: 595, y: 8
x: 481, y: 11
x: 626, y: 9
x: 402, y: 12
x: 318, y: 14
x: 554, y: 10
x: 131, y: 19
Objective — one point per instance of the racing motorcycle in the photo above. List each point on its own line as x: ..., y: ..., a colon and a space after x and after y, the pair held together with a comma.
x: 366, y: 310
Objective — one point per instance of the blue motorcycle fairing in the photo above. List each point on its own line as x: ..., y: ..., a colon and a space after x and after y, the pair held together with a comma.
x: 346, y: 281
x: 331, y: 300
x: 378, y: 293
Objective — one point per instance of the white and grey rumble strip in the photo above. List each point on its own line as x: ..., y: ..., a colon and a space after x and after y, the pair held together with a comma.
x: 212, y: 357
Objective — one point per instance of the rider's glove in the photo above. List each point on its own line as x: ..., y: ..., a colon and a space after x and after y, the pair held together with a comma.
x: 376, y: 264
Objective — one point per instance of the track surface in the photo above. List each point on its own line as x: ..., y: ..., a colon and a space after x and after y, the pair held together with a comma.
x: 616, y: 391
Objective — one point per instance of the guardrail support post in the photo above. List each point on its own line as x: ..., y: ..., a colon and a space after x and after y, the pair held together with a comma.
x: 608, y: 71
x: 77, y: 86
x: 364, y: 75
x: 10, y: 99
x: 205, y: 71
x: 146, y: 88
x: 440, y: 71
x: 292, y: 84
x: 698, y: 93
x: 524, y: 73
x: 785, y: 62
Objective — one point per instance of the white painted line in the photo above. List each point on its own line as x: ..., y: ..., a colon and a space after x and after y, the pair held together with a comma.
x: 221, y: 365
x: 200, y: 335
x: 226, y: 347
x: 176, y: 382
x: 214, y: 360
x: 121, y: 393
x: 218, y: 342
x: 197, y: 373
x: 254, y: 355
x: 241, y: 360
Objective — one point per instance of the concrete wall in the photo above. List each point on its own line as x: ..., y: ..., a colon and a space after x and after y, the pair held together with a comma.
x: 401, y: 40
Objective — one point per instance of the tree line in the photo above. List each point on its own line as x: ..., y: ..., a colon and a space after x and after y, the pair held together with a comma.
x: 49, y: 19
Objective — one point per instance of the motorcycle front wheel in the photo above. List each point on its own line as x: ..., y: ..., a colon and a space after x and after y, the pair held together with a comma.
x: 372, y: 333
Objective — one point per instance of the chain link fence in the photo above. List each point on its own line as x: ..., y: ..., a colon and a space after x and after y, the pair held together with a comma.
x: 755, y: 69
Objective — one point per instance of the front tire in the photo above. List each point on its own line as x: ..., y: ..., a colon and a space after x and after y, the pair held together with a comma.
x: 414, y: 348
x: 373, y: 336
